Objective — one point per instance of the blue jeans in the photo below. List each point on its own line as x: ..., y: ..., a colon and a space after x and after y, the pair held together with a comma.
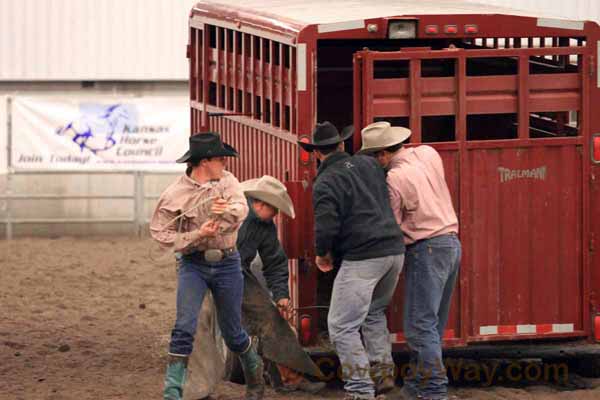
x: 431, y: 267
x: 361, y: 293
x: 226, y: 282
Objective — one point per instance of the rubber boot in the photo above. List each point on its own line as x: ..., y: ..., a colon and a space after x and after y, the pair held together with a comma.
x: 175, y: 377
x: 253, y: 367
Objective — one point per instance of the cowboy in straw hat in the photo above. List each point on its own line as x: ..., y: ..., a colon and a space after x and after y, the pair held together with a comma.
x: 423, y: 209
x: 354, y: 223
x: 258, y: 235
x: 204, y: 239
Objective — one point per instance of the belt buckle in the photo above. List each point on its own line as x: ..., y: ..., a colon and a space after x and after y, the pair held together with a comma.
x: 213, y: 255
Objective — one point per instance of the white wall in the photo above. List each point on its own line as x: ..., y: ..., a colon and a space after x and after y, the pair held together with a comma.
x: 93, y: 39
x: 75, y: 40
x: 573, y: 9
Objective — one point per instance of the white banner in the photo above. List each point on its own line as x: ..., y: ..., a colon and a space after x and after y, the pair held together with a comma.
x: 142, y: 134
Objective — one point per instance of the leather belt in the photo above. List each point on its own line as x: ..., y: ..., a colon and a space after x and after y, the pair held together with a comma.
x: 211, y: 255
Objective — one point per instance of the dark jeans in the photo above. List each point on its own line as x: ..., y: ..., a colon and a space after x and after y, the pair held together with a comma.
x: 226, y: 282
x: 431, y: 267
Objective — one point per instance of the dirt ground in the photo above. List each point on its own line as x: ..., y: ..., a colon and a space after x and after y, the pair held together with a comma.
x: 89, y: 319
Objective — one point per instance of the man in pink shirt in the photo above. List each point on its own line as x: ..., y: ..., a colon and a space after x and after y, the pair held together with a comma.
x: 422, y: 205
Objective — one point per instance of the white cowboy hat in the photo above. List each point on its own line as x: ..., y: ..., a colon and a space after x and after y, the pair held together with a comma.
x: 271, y: 191
x: 380, y: 135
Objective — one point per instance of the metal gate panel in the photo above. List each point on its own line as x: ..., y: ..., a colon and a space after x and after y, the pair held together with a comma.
x: 525, y: 218
x: 520, y: 199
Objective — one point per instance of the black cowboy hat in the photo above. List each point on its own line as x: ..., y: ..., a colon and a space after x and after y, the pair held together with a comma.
x: 207, y: 145
x: 326, y: 134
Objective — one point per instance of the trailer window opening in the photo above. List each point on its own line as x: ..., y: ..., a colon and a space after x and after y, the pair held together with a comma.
x: 391, y: 69
x: 492, y: 127
x: 438, y: 128
x: 492, y: 66
x: 553, y: 124
x: 438, y: 68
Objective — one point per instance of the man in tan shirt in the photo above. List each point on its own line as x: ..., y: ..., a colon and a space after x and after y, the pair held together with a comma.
x: 422, y: 205
x: 198, y: 217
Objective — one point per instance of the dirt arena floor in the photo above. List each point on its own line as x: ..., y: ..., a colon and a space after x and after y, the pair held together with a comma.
x: 89, y: 319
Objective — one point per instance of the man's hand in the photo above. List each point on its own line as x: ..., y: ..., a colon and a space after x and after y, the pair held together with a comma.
x: 219, y: 206
x: 325, y: 263
x: 209, y: 229
x: 285, y: 308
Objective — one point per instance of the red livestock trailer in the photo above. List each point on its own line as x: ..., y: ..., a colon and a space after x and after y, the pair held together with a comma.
x: 507, y: 99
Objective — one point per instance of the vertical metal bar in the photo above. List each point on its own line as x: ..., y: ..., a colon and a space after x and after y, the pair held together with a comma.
x: 218, y: 64
x: 192, y: 61
x: 293, y: 92
x: 272, y: 80
x: 281, y: 87
x: 235, y: 71
x: 584, y: 130
x: 244, y: 73
x: 262, y: 81
x: 415, y: 100
x: 461, y: 93
x: 253, y: 75
x: 227, y: 79
x: 464, y: 190
x: 367, y: 92
x: 205, y: 78
x: 9, y: 225
x: 523, y: 108
x: 564, y: 60
x: 517, y: 43
x: 198, y: 63
x: 138, y: 203
x: 357, y: 98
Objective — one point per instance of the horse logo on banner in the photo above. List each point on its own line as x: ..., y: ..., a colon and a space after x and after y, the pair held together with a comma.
x: 99, y: 126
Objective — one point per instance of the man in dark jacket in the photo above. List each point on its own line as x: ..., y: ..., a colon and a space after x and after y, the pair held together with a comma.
x: 355, y: 223
x: 258, y: 234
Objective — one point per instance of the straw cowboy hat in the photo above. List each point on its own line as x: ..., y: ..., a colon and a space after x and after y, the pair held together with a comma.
x: 207, y: 145
x: 271, y: 191
x: 380, y: 135
x: 326, y: 134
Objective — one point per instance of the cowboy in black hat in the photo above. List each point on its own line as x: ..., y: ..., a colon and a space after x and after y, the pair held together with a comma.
x: 198, y: 217
x: 355, y: 223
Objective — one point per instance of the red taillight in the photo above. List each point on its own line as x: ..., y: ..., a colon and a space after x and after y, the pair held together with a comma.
x: 597, y: 328
x: 431, y: 29
x: 305, y: 329
x: 304, y: 155
x: 470, y: 29
x: 451, y: 29
x: 596, y: 149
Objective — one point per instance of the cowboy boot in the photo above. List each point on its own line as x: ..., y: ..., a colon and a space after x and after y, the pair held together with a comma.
x: 383, y: 377
x: 175, y: 377
x: 252, y: 365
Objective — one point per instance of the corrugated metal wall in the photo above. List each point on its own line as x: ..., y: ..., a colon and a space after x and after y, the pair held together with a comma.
x: 66, y: 40
x: 93, y: 40
x: 572, y: 9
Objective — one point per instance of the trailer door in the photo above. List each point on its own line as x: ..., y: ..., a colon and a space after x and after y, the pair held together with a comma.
x: 509, y: 123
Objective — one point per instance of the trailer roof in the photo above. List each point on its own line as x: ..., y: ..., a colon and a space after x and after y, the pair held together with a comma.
x: 308, y: 12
